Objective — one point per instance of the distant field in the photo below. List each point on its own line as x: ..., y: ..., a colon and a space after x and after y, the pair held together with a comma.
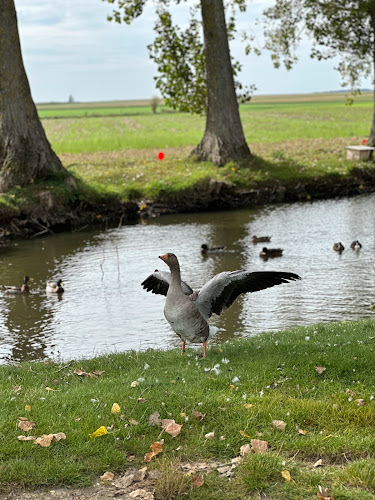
x: 124, y: 125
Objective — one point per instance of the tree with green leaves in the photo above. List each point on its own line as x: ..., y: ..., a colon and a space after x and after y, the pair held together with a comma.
x: 338, y: 28
x: 25, y: 153
x: 198, y: 77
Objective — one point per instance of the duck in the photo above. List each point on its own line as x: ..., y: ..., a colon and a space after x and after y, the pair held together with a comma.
x: 267, y: 253
x: 338, y: 247
x: 54, y: 286
x: 18, y: 289
x: 260, y: 239
x: 356, y: 245
x: 188, y: 311
x: 205, y: 249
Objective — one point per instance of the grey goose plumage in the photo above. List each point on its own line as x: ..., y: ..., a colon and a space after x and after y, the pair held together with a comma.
x: 188, y: 312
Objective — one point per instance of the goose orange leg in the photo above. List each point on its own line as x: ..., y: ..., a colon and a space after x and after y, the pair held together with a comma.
x: 183, y: 347
x: 204, y: 349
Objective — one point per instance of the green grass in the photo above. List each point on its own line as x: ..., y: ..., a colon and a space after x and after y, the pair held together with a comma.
x: 124, y: 128
x: 269, y: 377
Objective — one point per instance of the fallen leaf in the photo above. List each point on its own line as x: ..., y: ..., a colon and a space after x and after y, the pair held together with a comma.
x: 197, y: 481
x: 349, y: 391
x: 134, y: 384
x: 141, y: 400
x: 286, y: 475
x: 245, y: 449
x: 209, y: 435
x: 98, y: 372
x: 156, y: 448
x: 279, y: 424
x: 171, y: 427
x: 26, y: 438
x: 244, y: 434
x: 320, y: 369
x: 248, y: 405
x: 133, y: 422
x: 166, y: 421
x: 101, y: 431
x: 323, y: 493
x: 360, y: 402
x: 45, y: 440
x: 59, y: 436
x: 259, y: 446
x: 198, y: 415
x: 141, y: 494
x: 318, y: 463
x: 107, y: 476
x: 302, y: 432
x: 116, y: 408
x: 154, y: 418
x: 26, y: 425
x: 17, y: 389
x: 221, y: 438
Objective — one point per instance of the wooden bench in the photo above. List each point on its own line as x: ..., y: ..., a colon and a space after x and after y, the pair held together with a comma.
x: 359, y: 153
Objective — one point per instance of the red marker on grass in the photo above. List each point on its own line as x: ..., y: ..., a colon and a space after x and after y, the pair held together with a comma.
x: 161, y: 155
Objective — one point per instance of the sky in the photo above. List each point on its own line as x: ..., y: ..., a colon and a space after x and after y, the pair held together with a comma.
x: 70, y: 48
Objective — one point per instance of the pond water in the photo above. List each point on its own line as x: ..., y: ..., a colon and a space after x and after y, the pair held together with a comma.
x: 104, y: 308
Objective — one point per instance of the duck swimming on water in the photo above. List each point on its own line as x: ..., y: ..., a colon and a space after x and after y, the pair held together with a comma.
x: 54, y: 286
x: 188, y: 312
x: 18, y: 289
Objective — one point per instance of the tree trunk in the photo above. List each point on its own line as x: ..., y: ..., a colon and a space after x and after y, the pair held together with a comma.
x: 223, y: 138
x: 25, y: 153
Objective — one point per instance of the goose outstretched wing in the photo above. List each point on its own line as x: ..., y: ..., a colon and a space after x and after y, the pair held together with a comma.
x: 158, y: 282
x: 222, y: 290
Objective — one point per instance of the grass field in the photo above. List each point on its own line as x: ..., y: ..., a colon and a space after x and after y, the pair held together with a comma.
x: 318, y: 380
x: 90, y: 129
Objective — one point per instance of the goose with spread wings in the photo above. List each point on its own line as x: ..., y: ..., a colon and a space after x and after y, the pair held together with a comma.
x: 188, y: 311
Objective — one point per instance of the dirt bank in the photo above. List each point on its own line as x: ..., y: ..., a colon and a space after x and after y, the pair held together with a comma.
x: 48, y: 214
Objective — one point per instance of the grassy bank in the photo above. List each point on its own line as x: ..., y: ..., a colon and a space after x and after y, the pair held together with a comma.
x: 319, y: 380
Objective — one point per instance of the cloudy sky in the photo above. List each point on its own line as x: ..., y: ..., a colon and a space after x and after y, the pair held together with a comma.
x: 69, y: 48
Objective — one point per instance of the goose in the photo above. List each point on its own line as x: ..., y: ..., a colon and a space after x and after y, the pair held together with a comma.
x: 270, y: 252
x: 338, y: 247
x: 356, y: 245
x: 54, y: 286
x: 188, y: 311
x: 205, y: 249
x: 18, y: 289
x: 260, y: 239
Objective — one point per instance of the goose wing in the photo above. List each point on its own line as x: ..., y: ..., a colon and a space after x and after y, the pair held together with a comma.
x: 159, y: 281
x: 222, y: 290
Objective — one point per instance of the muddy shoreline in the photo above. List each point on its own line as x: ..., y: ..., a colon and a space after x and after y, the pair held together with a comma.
x: 49, y: 215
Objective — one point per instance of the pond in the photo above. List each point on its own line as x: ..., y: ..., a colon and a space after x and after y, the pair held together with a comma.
x: 104, y: 308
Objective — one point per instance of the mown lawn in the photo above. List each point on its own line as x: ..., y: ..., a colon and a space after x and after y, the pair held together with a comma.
x: 318, y: 380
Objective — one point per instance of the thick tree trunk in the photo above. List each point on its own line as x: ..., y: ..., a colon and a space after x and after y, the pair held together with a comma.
x: 25, y: 153
x: 223, y: 140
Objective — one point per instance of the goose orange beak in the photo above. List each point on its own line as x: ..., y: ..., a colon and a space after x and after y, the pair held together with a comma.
x: 163, y: 257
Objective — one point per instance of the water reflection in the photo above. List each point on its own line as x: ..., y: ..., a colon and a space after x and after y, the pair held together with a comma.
x: 105, y: 309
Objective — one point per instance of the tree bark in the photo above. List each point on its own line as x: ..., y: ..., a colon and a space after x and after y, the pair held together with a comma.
x: 371, y: 137
x: 25, y: 153
x: 223, y: 140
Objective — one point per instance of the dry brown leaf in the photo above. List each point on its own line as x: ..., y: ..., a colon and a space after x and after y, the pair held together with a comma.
x: 198, y: 415
x: 286, y: 475
x: 134, y: 384
x: 259, y: 446
x: 141, y: 400
x: 245, y: 449
x: 26, y: 425
x: 59, y: 435
x: 97, y: 373
x: 197, y: 481
x: 141, y: 494
x: 26, y: 438
x: 173, y: 429
x: 166, y: 421
x: 302, y: 432
x: 279, y: 424
x: 360, y: 402
x: 349, y: 391
x: 133, y: 422
x: 320, y: 369
x: 318, y: 463
x: 156, y: 448
x: 107, y: 476
x: 323, y: 493
x: 17, y: 389
x: 154, y: 418
x: 45, y: 440
x: 209, y: 435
